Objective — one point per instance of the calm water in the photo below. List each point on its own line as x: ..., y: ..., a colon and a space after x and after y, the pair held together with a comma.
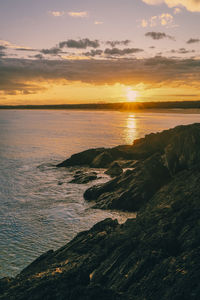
x: 39, y: 208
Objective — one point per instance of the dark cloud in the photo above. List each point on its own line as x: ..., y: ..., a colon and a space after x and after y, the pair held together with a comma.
x: 93, y: 53
x: 26, y: 76
x: 117, y: 43
x: 51, y: 51
x: 182, y: 51
x: 159, y: 35
x: 2, y: 49
x: 39, y: 56
x: 25, y: 49
x: 192, y: 41
x: 121, y: 52
x: 80, y: 44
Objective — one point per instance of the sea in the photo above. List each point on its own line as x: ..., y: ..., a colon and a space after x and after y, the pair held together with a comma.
x: 39, y: 208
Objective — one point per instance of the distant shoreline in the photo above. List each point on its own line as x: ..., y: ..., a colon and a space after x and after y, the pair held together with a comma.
x: 192, y: 107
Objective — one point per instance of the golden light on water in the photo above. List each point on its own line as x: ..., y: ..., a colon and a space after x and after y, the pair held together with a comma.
x: 131, y: 95
x: 131, y: 129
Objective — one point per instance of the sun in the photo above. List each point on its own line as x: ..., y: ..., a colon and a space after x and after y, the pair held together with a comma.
x: 130, y: 94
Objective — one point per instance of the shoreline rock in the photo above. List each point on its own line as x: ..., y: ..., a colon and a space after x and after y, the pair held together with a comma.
x: 81, y: 177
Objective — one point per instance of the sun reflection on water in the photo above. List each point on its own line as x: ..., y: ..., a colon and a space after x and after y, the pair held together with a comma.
x: 131, y: 128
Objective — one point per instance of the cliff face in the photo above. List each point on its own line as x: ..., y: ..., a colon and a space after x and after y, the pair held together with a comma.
x: 160, y: 157
x: 155, y: 256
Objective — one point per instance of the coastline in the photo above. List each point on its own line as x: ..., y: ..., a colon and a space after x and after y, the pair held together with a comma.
x: 178, y: 106
x: 153, y: 256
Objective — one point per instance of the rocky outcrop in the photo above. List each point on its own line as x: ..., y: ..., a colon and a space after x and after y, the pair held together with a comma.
x: 155, y: 256
x: 180, y: 146
x: 169, y: 152
x: 133, y: 189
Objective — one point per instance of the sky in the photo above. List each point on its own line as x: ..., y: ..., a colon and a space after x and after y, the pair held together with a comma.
x: 83, y: 51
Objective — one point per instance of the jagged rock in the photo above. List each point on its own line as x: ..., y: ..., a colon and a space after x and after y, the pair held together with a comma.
x: 82, y: 178
x: 155, y: 256
x: 103, y: 160
x: 131, y: 190
x: 114, y: 170
x: 180, y: 146
x: 82, y: 159
x: 183, y: 151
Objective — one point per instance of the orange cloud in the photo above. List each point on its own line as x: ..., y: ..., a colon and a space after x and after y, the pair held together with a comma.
x: 191, y: 5
x: 79, y: 14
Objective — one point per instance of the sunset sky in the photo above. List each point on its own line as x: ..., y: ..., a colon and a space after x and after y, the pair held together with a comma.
x: 82, y: 51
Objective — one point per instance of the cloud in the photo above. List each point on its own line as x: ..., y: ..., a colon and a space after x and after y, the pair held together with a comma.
x: 78, y: 14
x: 121, y: 52
x: 191, y: 5
x: 39, y: 56
x: 27, y: 76
x: 118, y: 43
x: 164, y: 19
x: 14, y: 46
x: 98, y: 22
x: 57, y: 13
x: 93, y: 53
x: 159, y: 35
x: 51, y: 51
x: 192, y: 41
x: 182, y: 51
x: 177, y: 11
x: 80, y: 44
x: 144, y: 23
x: 25, y: 49
x: 2, y: 49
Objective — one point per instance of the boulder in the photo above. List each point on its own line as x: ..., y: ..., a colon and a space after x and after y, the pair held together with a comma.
x: 114, y: 170
x: 82, y: 178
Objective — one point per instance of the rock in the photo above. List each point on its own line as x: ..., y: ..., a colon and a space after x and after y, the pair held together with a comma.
x: 179, y: 146
x: 82, y: 159
x: 114, y: 170
x: 103, y: 160
x: 82, y: 178
x: 183, y: 151
x: 155, y: 256
x: 132, y: 189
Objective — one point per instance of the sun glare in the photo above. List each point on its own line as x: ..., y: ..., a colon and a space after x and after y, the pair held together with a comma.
x: 130, y: 94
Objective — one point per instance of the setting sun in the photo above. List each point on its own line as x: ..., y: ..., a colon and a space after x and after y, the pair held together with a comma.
x: 131, y: 95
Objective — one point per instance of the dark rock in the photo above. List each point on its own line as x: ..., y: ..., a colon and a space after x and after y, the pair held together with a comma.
x: 81, y: 159
x: 114, y: 170
x: 82, y: 178
x: 103, y: 160
x: 155, y: 256
x: 131, y: 190
x: 180, y: 146
x: 183, y: 151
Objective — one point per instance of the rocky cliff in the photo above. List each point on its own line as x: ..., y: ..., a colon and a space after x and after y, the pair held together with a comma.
x: 156, y: 255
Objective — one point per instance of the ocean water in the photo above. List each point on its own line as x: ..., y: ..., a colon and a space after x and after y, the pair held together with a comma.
x: 39, y: 208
